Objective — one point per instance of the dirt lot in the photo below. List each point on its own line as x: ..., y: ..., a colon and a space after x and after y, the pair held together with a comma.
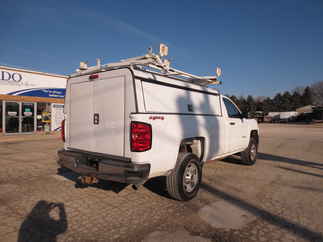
x: 278, y: 199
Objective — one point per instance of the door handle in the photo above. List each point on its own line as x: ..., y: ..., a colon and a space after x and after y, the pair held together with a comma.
x: 232, y: 123
x: 96, y: 118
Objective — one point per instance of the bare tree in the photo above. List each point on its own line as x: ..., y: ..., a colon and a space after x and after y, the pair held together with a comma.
x: 299, y: 90
x: 260, y: 98
x: 317, y: 93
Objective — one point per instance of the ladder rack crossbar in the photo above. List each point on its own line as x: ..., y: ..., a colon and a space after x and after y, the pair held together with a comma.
x: 154, y: 61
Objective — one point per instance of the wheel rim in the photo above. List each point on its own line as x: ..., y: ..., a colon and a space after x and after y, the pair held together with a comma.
x: 253, y: 151
x: 191, y: 177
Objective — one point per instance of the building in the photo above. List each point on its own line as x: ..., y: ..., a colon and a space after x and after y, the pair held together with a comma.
x: 30, y: 101
x: 311, y: 112
x: 305, y: 109
x: 275, y: 117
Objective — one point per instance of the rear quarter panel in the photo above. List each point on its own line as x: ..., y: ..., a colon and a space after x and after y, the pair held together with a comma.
x: 169, y: 131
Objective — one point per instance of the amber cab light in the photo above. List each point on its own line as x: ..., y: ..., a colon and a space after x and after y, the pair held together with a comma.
x: 140, y: 136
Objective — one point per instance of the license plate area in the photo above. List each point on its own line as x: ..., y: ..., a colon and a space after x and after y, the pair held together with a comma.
x: 89, y: 180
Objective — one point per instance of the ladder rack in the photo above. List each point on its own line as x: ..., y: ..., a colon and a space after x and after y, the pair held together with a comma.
x: 147, y: 62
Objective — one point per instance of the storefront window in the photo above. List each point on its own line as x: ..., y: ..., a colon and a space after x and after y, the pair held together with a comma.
x: 12, y: 117
x: 28, y: 117
x: 43, y: 116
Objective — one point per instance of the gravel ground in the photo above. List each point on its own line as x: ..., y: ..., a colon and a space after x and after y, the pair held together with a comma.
x: 278, y: 199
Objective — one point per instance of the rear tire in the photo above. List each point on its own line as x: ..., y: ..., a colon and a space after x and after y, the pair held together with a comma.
x: 184, y: 181
x: 249, y: 155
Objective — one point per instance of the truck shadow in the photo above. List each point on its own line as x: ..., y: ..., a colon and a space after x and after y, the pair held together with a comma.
x: 39, y: 225
x: 297, y: 229
x: 291, y: 161
x: 306, y: 188
x: 102, y: 184
x: 300, y: 172
x: 158, y: 185
x: 234, y: 159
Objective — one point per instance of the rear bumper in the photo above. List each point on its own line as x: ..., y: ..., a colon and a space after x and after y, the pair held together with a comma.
x: 103, y: 167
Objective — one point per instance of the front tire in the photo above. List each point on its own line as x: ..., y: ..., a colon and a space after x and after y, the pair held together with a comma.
x: 249, y: 155
x: 184, y: 181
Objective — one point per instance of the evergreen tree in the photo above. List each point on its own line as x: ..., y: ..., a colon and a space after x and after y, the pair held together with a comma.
x: 235, y: 100
x: 317, y: 93
x: 251, y: 104
x: 287, y: 102
x: 259, y: 106
x: 296, y: 100
x: 243, y: 104
x: 278, y: 103
x: 306, y: 98
x: 268, y: 105
x: 259, y: 103
x: 281, y: 102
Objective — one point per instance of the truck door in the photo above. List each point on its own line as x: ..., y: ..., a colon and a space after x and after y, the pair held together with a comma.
x: 79, y: 118
x: 236, y: 127
x: 108, y: 114
x: 96, y: 117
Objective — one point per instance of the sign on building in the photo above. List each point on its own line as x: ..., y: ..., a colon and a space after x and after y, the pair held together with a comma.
x: 57, y: 116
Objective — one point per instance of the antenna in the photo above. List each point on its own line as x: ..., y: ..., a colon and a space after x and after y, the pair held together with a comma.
x: 98, y: 62
x: 218, y: 71
x: 163, y: 50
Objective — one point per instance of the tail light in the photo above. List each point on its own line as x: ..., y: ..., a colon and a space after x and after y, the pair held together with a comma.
x: 63, y: 130
x: 140, y: 136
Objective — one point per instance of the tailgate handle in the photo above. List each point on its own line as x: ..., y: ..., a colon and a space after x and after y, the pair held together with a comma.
x: 232, y: 123
x: 96, y: 118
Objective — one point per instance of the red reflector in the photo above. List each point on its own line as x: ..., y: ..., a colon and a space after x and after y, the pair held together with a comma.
x: 94, y: 76
x: 141, y: 136
x: 63, y: 130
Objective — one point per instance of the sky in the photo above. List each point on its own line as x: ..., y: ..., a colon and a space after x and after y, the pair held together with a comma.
x: 263, y: 47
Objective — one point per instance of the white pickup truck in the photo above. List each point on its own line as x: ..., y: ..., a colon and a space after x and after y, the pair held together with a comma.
x: 127, y: 123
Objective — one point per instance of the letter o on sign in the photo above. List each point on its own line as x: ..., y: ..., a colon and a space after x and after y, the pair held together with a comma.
x: 16, y: 77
